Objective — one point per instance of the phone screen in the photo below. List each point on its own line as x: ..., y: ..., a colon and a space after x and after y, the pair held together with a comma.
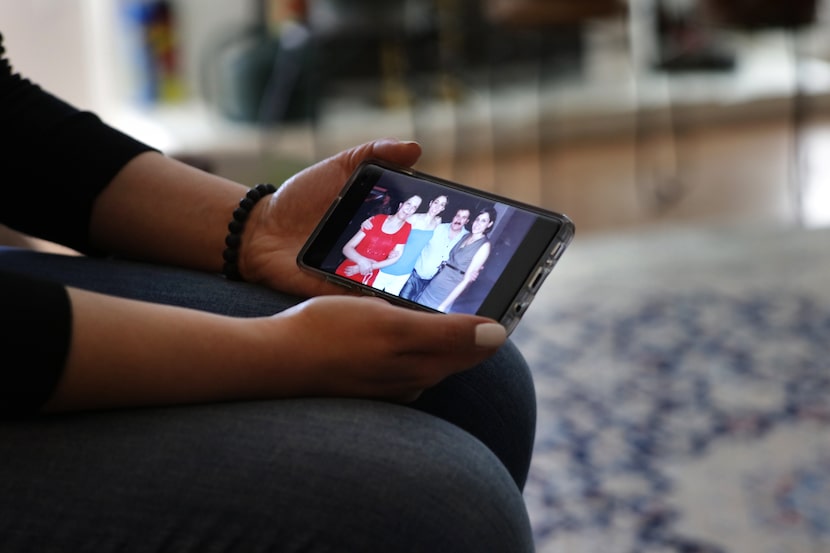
x: 437, y: 245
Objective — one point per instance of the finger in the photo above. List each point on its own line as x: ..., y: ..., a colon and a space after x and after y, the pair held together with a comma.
x: 463, y: 335
x: 448, y: 346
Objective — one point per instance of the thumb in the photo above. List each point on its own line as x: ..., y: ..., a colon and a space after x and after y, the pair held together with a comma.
x: 404, y: 153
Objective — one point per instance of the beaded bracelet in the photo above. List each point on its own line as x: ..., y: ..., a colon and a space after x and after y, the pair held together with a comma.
x: 234, y: 238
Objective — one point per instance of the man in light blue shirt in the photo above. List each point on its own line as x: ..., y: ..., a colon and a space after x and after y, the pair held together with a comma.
x: 436, y: 252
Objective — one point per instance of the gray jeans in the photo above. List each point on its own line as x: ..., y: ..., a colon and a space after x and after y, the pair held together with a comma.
x: 443, y: 474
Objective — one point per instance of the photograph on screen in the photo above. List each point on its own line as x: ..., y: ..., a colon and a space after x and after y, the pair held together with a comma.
x: 442, y: 248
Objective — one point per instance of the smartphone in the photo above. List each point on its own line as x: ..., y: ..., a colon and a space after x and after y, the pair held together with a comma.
x: 427, y: 243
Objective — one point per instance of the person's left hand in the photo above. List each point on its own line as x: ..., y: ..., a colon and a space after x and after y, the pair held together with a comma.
x: 278, y: 227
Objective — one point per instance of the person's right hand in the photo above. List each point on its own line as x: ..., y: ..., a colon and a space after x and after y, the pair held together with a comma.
x: 366, y: 347
x: 280, y: 225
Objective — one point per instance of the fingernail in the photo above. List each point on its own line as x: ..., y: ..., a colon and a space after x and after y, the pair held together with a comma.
x: 490, y: 335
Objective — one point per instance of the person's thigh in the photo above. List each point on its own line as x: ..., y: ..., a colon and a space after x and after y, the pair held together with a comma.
x: 149, y: 282
x: 291, y: 475
x: 495, y: 401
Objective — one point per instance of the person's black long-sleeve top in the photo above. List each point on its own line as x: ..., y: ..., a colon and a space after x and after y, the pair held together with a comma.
x: 54, y: 161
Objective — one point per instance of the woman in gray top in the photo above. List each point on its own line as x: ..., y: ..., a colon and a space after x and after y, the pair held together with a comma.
x: 465, y: 262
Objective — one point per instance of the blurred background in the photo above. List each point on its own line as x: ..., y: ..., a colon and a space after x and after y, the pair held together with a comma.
x: 621, y: 113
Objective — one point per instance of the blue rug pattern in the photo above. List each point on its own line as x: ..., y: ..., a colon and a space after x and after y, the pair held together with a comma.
x: 682, y: 414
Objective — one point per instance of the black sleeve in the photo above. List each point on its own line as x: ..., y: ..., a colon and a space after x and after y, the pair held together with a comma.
x: 35, y: 323
x: 54, y: 161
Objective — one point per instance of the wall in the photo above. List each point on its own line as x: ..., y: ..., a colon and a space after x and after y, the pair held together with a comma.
x: 52, y: 42
x: 77, y: 48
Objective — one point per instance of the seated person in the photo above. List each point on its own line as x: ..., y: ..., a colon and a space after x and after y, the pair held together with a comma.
x: 182, y: 386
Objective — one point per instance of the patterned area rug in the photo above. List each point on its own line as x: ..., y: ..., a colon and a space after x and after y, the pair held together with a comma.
x: 683, y: 380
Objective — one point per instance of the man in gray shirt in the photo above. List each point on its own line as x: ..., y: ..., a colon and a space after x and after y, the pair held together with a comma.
x: 436, y: 252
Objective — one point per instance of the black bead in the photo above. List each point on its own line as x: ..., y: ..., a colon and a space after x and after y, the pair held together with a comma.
x: 265, y: 188
x: 235, y: 227
x: 240, y: 214
x: 246, y: 203
x: 233, y: 240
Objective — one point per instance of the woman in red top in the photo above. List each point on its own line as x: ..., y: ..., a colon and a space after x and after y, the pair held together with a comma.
x: 371, y: 250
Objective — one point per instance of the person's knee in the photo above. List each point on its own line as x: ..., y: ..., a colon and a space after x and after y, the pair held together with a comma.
x: 496, y: 403
x: 476, y: 508
x: 442, y: 491
x: 394, y: 479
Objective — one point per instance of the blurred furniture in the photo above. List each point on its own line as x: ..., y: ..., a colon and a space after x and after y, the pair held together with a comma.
x: 792, y: 17
x: 371, y: 39
x: 535, y: 13
x: 548, y: 23
x: 259, y: 73
x: 763, y: 14
x: 744, y: 16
